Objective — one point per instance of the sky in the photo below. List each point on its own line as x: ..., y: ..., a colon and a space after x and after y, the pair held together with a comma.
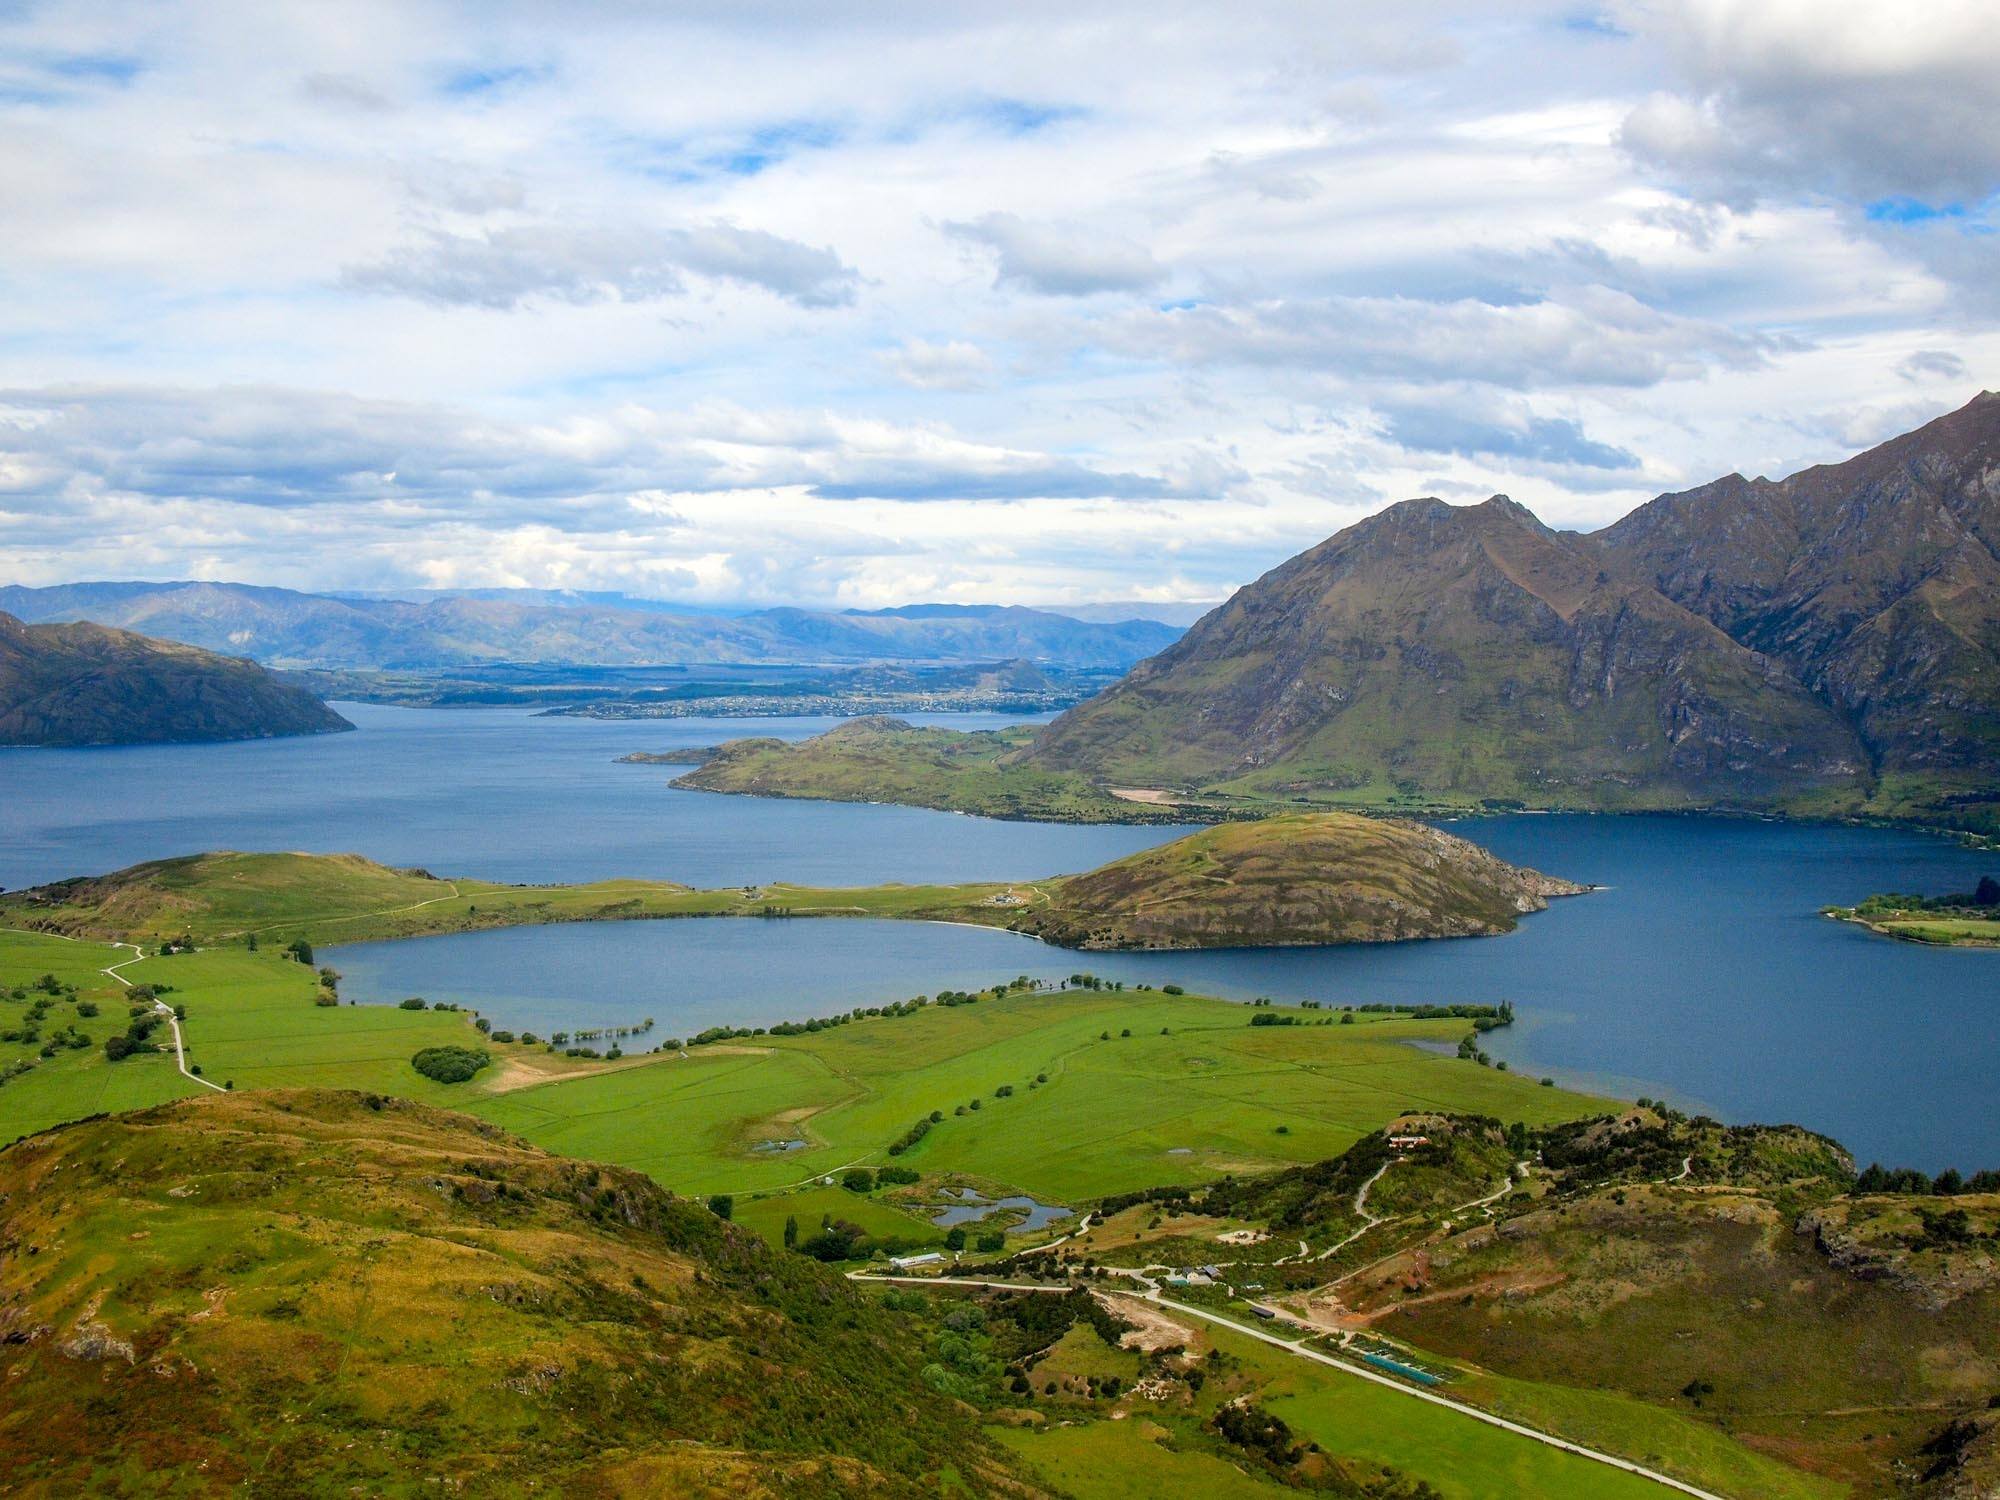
x: 848, y: 304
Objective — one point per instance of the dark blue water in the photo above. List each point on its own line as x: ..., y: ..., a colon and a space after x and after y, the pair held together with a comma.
x: 1703, y: 973
x: 498, y: 794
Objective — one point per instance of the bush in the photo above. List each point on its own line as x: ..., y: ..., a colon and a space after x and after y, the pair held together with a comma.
x: 723, y: 1206
x: 450, y: 1064
x: 118, y: 1048
x: 415, y: 1002
x: 858, y: 1180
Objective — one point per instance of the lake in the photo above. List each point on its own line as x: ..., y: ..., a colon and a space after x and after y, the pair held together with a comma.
x: 498, y: 794
x: 1702, y: 973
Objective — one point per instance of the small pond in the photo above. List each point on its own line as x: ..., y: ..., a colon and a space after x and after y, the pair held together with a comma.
x: 972, y: 1207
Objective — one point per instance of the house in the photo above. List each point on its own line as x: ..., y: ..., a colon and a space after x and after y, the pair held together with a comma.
x: 1409, y: 1142
x: 916, y: 1262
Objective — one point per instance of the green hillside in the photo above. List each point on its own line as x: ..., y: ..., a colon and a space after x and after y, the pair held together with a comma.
x: 306, y: 1292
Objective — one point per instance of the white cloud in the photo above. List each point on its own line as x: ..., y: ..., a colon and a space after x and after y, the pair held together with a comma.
x: 951, y: 366
x: 503, y: 268
x: 1069, y: 261
x: 1584, y: 337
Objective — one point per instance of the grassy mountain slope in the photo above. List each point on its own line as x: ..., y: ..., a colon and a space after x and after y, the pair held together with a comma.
x: 1746, y: 1315
x: 1734, y: 1275
x: 87, y: 685
x: 888, y: 760
x: 301, y: 1292
x: 1299, y: 878
x: 1457, y: 652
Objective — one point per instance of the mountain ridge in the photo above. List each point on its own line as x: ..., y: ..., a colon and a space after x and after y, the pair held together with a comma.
x: 287, y: 627
x: 1828, y: 642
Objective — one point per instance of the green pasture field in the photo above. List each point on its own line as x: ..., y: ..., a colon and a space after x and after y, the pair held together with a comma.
x: 1193, y: 1093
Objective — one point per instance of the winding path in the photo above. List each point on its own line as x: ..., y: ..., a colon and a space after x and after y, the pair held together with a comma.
x: 167, y: 1011
x: 1361, y: 1208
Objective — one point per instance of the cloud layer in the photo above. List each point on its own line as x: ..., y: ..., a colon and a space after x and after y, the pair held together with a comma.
x: 869, y: 304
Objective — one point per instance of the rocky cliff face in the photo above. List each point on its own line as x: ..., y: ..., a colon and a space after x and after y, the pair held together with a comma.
x: 1876, y: 582
x: 86, y: 685
x: 1749, y: 643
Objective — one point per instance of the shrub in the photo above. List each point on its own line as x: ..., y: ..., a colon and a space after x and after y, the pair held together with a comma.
x: 723, y: 1206
x: 858, y: 1180
x: 1172, y: 989
x: 415, y: 1002
x: 450, y: 1064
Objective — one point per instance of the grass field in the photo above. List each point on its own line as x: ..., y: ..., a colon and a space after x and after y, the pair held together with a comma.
x: 1193, y: 1092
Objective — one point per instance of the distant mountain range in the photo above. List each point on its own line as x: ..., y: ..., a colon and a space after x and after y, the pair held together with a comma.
x: 1825, y: 643
x: 1180, y: 615
x: 88, y: 685
x: 284, y: 628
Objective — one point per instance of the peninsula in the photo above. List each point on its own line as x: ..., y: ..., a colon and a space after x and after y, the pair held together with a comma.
x: 1303, y: 878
